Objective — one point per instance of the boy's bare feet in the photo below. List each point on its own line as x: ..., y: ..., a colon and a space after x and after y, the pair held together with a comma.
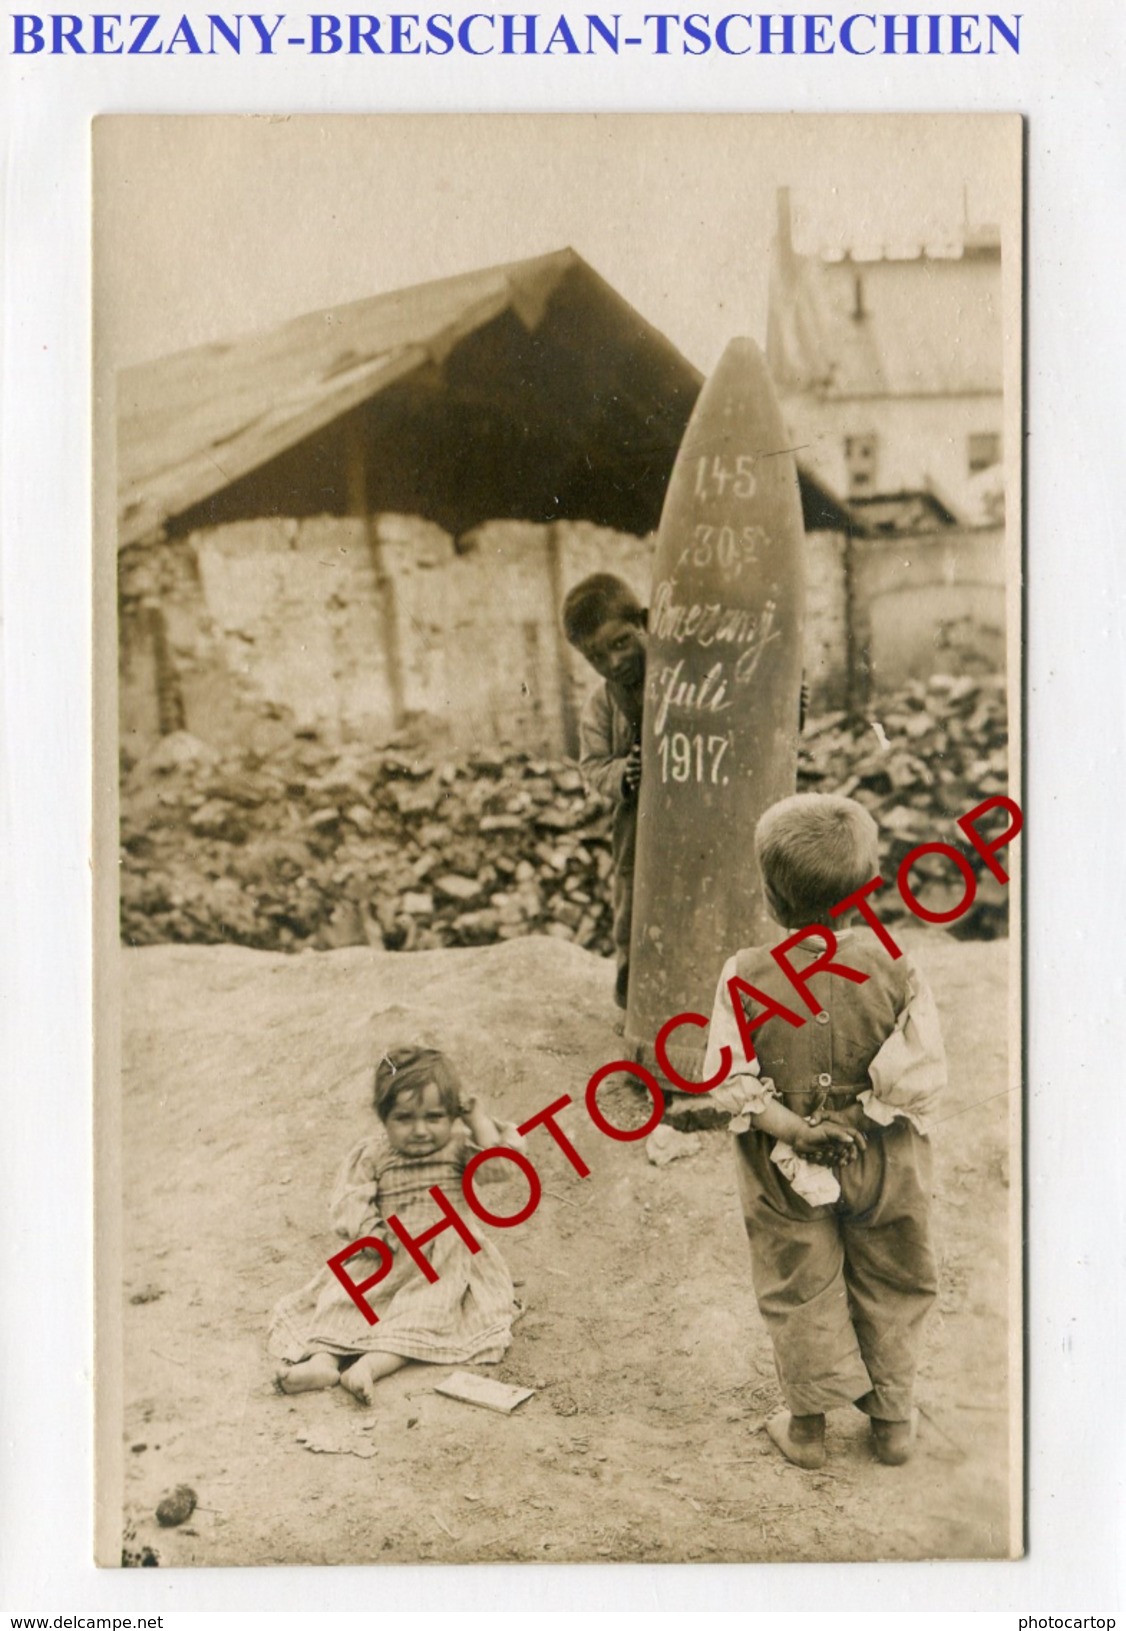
x: 360, y: 1378
x: 893, y: 1440
x: 319, y: 1371
x: 801, y: 1439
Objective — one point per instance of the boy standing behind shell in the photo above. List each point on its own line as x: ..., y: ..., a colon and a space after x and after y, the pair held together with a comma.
x: 604, y: 620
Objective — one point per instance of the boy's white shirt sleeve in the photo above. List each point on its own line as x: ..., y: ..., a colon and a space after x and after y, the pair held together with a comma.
x: 909, y: 1072
x: 745, y: 1092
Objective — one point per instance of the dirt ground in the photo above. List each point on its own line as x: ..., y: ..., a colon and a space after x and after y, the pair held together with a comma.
x: 247, y: 1078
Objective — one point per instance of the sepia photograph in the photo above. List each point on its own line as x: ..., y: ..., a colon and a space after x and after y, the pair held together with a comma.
x: 558, y: 711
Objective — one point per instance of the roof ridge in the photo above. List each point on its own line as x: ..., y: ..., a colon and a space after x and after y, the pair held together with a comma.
x: 566, y: 257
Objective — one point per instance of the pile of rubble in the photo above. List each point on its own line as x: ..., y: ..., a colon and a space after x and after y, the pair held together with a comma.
x: 308, y: 844
x: 311, y: 845
x: 923, y: 757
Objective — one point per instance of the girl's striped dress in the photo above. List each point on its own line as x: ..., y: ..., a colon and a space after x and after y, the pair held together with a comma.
x: 464, y: 1317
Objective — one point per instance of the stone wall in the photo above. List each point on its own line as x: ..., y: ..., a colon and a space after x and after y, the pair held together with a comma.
x: 931, y: 603
x: 882, y: 611
x: 826, y: 620
x: 357, y: 629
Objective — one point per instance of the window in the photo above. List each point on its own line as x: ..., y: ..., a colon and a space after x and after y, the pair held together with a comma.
x: 983, y: 448
x: 860, y: 463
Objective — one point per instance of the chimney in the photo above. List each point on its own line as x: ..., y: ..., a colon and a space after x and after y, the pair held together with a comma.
x: 782, y: 293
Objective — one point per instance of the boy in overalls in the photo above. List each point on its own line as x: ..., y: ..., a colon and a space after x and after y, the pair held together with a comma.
x: 832, y: 1153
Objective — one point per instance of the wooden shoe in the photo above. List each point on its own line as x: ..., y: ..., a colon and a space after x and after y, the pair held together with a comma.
x: 893, y: 1440
x: 801, y: 1439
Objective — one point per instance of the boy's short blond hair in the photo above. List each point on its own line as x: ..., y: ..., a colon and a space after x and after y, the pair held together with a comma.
x: 813, y: 850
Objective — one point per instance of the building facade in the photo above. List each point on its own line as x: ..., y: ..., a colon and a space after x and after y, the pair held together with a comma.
x: 889, y: 370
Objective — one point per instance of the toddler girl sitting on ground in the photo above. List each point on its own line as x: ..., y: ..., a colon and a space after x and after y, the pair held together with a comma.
x: 429, y: 1130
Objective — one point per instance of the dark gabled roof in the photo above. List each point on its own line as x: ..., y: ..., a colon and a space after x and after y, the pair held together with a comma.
x: 532, y: 389
x: 191, y: 424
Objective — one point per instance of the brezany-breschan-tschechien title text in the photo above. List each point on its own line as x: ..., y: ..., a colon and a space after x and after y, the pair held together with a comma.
x: 515, y: 34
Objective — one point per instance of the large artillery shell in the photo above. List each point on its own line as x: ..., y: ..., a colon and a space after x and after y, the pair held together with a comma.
x: 719, y: 736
